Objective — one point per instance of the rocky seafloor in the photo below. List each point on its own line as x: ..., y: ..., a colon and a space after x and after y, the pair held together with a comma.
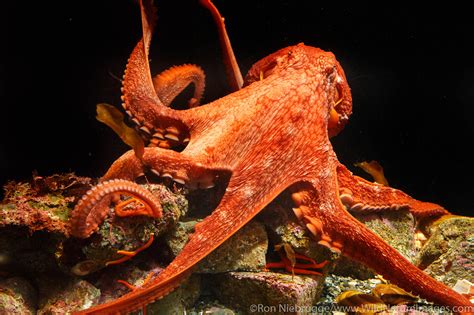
x: 43, y: 270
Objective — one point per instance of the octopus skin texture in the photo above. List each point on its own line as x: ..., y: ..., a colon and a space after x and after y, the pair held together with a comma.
x: 269, y: 136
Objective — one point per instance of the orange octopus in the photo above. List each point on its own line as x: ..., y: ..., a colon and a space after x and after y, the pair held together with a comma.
x: 270, y: 135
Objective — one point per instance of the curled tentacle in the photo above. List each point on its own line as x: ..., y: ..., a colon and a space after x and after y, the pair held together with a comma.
x: 171, y: 82
x: 91, y: 210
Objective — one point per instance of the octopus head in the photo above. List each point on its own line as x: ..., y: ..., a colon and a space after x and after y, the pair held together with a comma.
x: 340, y: 98
x: 316, y: 63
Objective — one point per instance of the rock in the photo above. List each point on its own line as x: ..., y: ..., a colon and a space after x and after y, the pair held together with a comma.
x: 179, y: 300
x: 448, y: 255
x: 464, y: 287
x: 191, y: 290
x: 170, y: 304
x: 263, y: 292
x: 76, y: 295
x: 17, y: 296
x: 44, y: 203
x: 396, y: 228
x: 177, y: 238
x: 212, y: 308
x: 244, y: 251
x: 25, y: 253
x: 218, y: 310
x: 347, y: 267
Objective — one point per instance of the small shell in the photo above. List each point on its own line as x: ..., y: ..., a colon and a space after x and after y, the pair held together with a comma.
x: 85, y: 267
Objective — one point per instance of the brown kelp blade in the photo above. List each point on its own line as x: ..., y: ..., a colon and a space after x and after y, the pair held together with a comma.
x: 113, y: 118
x: 375, y: 170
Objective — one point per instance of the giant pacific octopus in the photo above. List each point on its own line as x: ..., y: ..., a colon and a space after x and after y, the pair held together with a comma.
x: 270, y: 135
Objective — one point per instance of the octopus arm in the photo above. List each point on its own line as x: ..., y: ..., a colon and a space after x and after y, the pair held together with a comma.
x: 140, y: 99
x: 234, y: 76
x: 171, y: 82
x: 330, y: 223
x: 360, y: 195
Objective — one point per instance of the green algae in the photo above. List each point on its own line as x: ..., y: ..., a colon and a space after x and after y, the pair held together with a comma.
x: 55, y: 205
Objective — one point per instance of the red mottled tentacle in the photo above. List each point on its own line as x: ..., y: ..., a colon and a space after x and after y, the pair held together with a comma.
x: 171, y: 82
x: 91, y: 210
x: 140, y: 100
x: 139, y: 95
x: 234, y: 75
x: 324, y: 215
x: 360, y: 195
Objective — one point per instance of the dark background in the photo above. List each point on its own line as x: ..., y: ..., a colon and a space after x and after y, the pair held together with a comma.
x: 411, y: 71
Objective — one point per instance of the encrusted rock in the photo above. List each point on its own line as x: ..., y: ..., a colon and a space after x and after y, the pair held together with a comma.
x: 25, y: 253
x: 17, y: 296
x: 211, y: 308
x: 179, y: 300
x: 448, y: 255
x: 264, y: 292
x: 396, y: 228
x: 44, y: 203
x: 76, y: 295
x: 244, y: 251
x: 178, y: 236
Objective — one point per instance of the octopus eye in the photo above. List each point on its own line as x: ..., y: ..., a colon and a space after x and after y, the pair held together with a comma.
x: 267, y: 70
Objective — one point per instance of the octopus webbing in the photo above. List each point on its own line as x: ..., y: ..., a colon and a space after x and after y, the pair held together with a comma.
x: 270, y: 135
